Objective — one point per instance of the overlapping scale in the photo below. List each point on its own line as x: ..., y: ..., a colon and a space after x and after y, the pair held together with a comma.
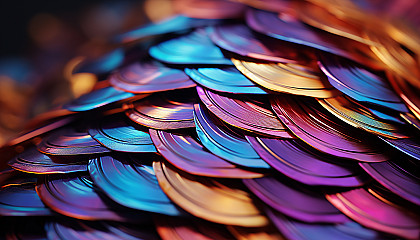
x: 359, y: 83
x: 19, y: 198
x: 172, y: 110
x: 225, y: 79
x: 149, y: 76
x: 68, y: 142
x: 305, y: 231
x: 360, y: 117
x: 32, y: 161
x: 369, y: 208
x: 201, y: 197
x: 189, y: 49
x: 295, y: 200
x: 251, y: 114
x: 295, y: 159
x: 75, y: 230
x: 225, y: 142
x: 285, y: 26
x: 306, y: 120
x: 98, y: 98
x: 186, y: 153
x: 240, y: 119
x: 123, y: 180
x: 409, y: 146
x: 321, y: 18
x: 117, y: 133
x: 399, y: 176
x: 239, y: 39
x: 76, y: 196
x: 287, y: 77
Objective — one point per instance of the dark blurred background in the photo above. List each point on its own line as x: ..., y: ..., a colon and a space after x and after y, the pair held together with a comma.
x: 41, y: 40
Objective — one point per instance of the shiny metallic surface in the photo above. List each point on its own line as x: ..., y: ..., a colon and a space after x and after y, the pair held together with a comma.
x: 366, y: 207
x: 295, y: 200
x: 76, y: 230
x: 251, y: 114
x: 288, y: 28
x: 97, y: 99
x: 359, y: 83
x: 188, y: 154
x: 19, y: 198
x: 226, y: 79
x: 32, y: 161
x: 322, y: 132
x: 225, y: 142
x: 165, y: 111
x: 359, y: 116
x: 123, y: 180
x: 76, y: 196
x: 399, y: 176
x: 288, y: 78
x: 148, y: 77
x: 213, y: 200
x: 299, y: 230
x: 409, y: 146
x: 295, y: 159
x: 189, y: 49
x: 117, y: 133
x: 240, y: 39
x: 228, y: 119
x: 70, y: 141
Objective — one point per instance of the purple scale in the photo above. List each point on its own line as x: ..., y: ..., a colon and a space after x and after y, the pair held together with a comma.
x: 251, y: 114
x: 71, y: 229
x: 288, y: 28
x: 70, y: 142
x: 295, y: 200
x: 409, y: 146
x: 359, y: 83
x: 297, y: 230
x: 368, y: 208
x: 31, y: 160
x: 19, y: 198
x: 400, y: 176
x: 301, y: 162
x: 149, y: 76
x: 76, y: 196
x: 239, y: 39
x: 187, y: 154
x: 307, y: 120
